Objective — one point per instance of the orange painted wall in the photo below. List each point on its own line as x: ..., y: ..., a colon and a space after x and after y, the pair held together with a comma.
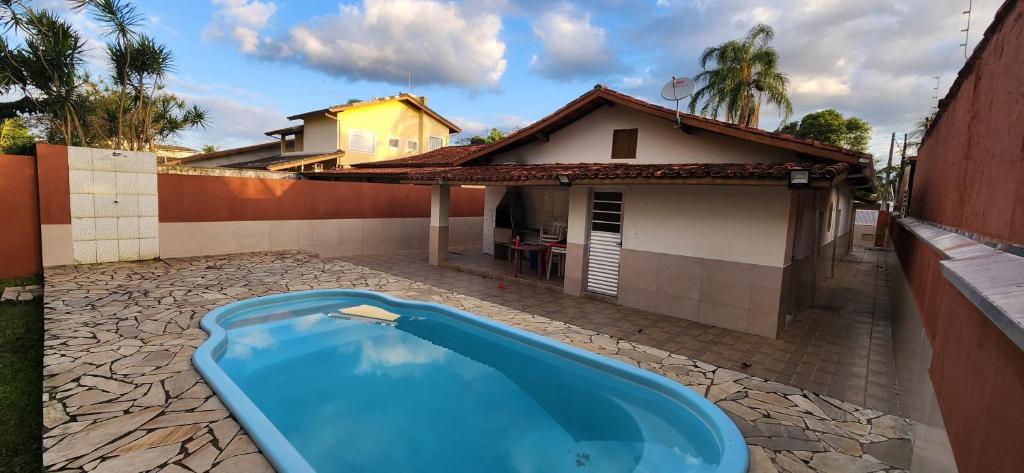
x: 54, y: 187
x: 970, y: 175
x: 20, y: 253
x: 970, y: 169
x: 188, y: 198
x: 977, y: 371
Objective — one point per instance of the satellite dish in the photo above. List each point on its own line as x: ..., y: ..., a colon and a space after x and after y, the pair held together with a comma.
x: 678, y: 89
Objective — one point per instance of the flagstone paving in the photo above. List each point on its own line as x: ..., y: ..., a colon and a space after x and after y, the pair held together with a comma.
x: 120, y: 393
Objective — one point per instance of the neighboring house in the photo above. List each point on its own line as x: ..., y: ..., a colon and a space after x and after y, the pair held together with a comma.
x: 864, y: 227
x: 696, y: 219
x: 233, y: 156
x: 169, y: 153
x: 338, y: 136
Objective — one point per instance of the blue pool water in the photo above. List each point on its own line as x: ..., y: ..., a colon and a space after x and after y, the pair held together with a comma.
x: 440, y: 390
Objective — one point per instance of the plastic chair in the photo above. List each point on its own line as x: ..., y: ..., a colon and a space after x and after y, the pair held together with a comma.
x: 559, y: 252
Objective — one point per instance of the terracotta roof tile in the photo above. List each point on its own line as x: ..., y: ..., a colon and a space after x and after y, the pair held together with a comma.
x: 593, y: 172
x: 583, y: 103
x: 444, y: 156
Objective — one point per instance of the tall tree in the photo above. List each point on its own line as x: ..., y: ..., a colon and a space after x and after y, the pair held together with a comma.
x: 829, y: 126
x: 47, y: 76
x: 15, y: 137
x: 743, y: 74
x: 494, y: 135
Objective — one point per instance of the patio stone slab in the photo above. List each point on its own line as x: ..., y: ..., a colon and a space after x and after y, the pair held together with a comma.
x: 121, y: 394
x: 21, y: 293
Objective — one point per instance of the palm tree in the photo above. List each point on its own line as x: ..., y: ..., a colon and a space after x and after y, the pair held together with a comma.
x: 45, y: 69
x: 133, y: 113
x: 120, y: 20
x: 745, y: 74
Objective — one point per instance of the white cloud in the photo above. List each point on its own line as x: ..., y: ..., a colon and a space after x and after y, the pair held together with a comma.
x: 873, y: 58
x: 632, y: 82
x: 238, y: 117
x: 391, y: 351
x: 571, y: 47
x: 252, y: 14
x: 470, y: 126
x: 385, y: 40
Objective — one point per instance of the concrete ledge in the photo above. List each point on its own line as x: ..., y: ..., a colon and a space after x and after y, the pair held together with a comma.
x: 226, y: 172
x: 991, y: 279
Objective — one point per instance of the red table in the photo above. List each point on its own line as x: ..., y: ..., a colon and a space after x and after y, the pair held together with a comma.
x: 517, y: 257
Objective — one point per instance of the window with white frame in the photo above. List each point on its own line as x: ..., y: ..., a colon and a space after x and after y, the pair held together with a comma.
x: 394, y: 143
x: 412, y: 145
x: 362, y: 141
x: 435, y: 142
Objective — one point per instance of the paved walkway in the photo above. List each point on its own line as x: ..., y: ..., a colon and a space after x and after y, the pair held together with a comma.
x: 121, y: 395
x: 841, y: 346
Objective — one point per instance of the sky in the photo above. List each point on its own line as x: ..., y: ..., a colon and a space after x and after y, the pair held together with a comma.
x: 506, y: 63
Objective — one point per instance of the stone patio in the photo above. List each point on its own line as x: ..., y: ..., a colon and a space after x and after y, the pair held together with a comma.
x: 120, y: 393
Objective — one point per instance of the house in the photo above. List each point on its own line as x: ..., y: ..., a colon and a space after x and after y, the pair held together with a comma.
x: 341, y: 135
x: 168, y: 153
x: 864, y: 224
x: 675, y: 214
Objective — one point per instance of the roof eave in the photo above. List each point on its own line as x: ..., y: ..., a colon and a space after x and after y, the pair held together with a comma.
x: 531, y: 132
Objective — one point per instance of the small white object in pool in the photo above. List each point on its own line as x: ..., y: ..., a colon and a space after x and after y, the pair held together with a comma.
x: 370, y: 312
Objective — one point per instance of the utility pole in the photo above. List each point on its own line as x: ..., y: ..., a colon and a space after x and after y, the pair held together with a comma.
x: 888, y: 171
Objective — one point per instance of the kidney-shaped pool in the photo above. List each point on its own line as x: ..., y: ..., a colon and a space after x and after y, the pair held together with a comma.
x: 358, y: 381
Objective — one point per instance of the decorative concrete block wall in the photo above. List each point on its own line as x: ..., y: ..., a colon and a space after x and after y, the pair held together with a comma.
x: 113, y: 205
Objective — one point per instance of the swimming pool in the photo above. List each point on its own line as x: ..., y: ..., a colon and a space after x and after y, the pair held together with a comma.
x: 425, y: 387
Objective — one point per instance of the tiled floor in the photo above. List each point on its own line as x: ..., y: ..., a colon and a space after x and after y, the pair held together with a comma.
x: 473, y: 261
x: 841, y: 346
x: 120, y: 393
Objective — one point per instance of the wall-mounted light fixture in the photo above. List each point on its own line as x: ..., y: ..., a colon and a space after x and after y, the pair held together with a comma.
x: 563, y: 180
x: 441, y: 181
x: 799, y: 178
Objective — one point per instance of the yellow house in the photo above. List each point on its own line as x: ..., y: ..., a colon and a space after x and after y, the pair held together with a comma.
x: 372, y: 130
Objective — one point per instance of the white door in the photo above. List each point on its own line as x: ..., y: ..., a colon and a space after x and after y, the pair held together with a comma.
x: 605, y: 243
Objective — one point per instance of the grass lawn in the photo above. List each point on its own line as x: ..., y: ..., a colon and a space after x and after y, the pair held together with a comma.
x: 21, y: 379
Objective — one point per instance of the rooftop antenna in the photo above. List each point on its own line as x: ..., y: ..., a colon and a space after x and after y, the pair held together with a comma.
x: 409, y: 75
x: 675, y: 90
x: 935, y: 96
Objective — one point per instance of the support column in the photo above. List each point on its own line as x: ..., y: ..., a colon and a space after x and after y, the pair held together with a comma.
x: 439, y: 199
x: 576, y: 237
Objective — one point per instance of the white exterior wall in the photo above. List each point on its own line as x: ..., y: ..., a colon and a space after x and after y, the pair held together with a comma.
x: 743, y: 224
x: 320, y: 133
x: 579, y: 208
x: 589, y: 140
x: 113, y: 205
x: 492, y: 197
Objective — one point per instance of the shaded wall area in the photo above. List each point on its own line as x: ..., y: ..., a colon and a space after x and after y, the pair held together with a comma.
x: 190, y: 198
x: 976, y: 371
x: 969, y: 175
x: 216, y: 214
x: 970, y: 168
x: 20, y: 253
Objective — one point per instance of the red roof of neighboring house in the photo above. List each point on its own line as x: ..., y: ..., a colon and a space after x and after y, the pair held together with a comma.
x: 521, y: 173
x: 444, y: 156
